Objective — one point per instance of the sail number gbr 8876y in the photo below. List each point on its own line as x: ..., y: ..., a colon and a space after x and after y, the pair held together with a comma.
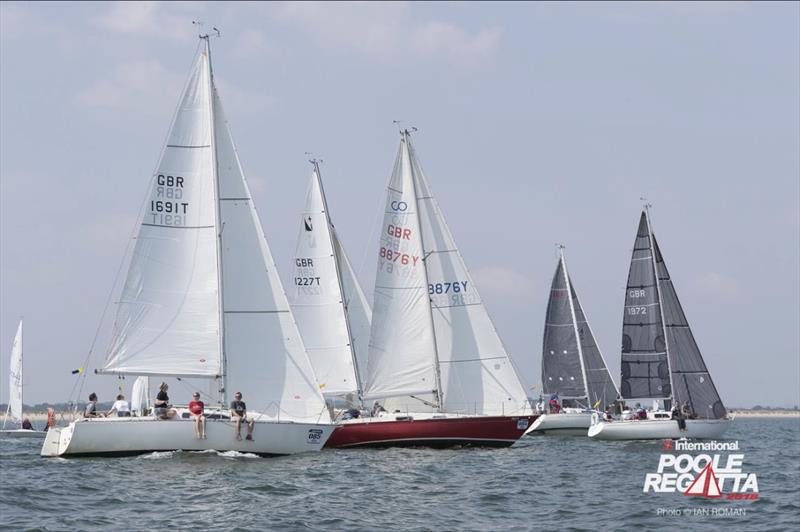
x: 165, y: 205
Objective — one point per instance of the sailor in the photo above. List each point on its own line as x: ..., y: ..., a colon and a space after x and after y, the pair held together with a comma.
x: 161, y: 407
x: 377, y: 408
x: 686, y: 410
x: 239, y: 414
x: 26, y: 424
x: 678, y: 416
x: 91, y: 407
x: 121, y: 407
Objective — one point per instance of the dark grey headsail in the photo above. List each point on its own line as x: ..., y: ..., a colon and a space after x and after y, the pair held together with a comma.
x: 645, y: 370
x: 562, y: 372
x: 602, y: 390
x: 691, y: 381
x: 572, y: 364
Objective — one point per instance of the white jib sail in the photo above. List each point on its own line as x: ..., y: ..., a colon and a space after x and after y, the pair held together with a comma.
x: 15, y: 378
x: 265, y: 358
x: 478, y: 376
x: 167, y: 320
x: 402, y: 349
x: 317, y: 301
x: 359, y: 313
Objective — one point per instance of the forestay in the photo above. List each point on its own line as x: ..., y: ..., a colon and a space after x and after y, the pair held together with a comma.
x: 645, y: 370
x: 326, y: 299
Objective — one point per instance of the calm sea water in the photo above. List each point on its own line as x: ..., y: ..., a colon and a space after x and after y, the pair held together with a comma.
x: 540, y: 483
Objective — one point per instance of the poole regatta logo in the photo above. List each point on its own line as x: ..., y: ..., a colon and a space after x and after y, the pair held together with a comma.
x: 704, y: 475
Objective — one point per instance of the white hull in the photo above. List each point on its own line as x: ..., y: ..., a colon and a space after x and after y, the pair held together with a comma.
x: 566, y: 424
x: 22, y: 433
x: 647, y: 429
x: 128, y: 436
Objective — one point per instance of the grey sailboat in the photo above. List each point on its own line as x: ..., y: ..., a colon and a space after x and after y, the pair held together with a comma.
x: 660, y: 358
x: 573, y: 368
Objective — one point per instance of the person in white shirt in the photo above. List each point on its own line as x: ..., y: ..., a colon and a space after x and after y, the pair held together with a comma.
x: 121, y: 407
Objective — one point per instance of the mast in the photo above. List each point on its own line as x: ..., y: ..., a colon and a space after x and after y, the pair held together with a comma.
x: 337, y: 268
x: 219, y: 226
x: 438, y: 371
x: 651, y: 239
x: 575, y: 324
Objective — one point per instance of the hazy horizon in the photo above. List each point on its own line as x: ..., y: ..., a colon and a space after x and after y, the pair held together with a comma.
x: 538, y: 124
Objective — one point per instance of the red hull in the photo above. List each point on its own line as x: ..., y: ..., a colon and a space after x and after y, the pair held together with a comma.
x: 488, y: 431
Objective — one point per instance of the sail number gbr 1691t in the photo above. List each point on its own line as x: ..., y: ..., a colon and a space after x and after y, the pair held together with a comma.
x: 166, y: 207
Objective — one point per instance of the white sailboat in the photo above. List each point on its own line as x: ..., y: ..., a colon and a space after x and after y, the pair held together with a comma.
x: 573, y: 368
x: 660, y: 358
x: 203, y: 299
x: 435, y: 359
x: 15, y: 387
x: 330, y: 308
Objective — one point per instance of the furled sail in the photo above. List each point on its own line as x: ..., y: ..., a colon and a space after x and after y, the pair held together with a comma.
x: 322, y: 293
x: 645, y: 370
x: 691, y: 381
x: 15, y: 378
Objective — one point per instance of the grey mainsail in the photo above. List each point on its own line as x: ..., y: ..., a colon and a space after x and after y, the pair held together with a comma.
x: 691, y: 381
x: 572, y: 364
x: 645, y: 370
x: 562, y: 371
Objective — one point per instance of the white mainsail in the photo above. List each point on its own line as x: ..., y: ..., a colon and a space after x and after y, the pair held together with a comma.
x: 326, y: 299
x: 202, y: 297
x: 444, y: 319
x: 402, y: 349
x: 15, y: 379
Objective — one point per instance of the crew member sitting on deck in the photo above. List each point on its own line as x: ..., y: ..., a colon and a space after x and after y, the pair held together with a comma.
x: 121, y: 407
x: 91, y: 407
x: 26, y: 424
x: 239, y: 414
x: 196, y: 407
x: 161, y: 406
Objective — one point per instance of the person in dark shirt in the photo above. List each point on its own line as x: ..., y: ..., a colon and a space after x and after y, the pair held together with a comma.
x: 26, y: 424
x: 91, y: 407
x: 161, y: 406
x: 239, y: 414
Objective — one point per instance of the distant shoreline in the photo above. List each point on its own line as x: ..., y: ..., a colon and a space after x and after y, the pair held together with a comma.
x: 67, y: 416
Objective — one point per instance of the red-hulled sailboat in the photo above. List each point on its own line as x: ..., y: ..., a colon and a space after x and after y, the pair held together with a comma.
x: 434, y: 371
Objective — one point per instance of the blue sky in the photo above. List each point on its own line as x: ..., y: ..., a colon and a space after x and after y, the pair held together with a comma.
x: 539, y: 123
